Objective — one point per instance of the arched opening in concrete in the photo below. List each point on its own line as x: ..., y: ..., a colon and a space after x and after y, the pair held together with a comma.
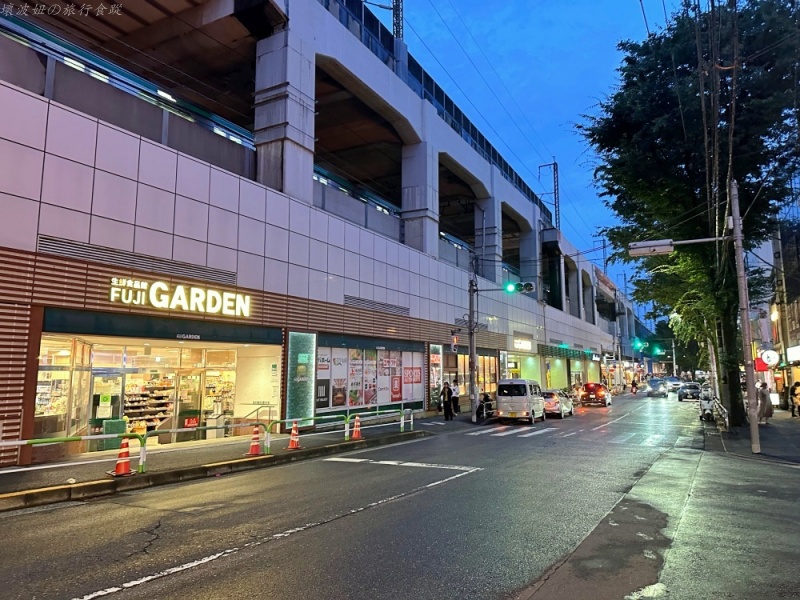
x: 518, y: 249
x: 459, y: 194
x: 359, y: 138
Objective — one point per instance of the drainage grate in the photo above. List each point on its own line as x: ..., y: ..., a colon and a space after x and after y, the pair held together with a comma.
x: 379, y: 306
x: 130, y: 260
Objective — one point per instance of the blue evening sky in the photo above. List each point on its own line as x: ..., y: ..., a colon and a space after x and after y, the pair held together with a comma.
x: 524, y: 71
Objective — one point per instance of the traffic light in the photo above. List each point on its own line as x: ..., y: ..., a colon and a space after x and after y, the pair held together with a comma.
x: 637, y: 344
x: 519, y: 287
x: 656, y: 350
x: 454, y: 344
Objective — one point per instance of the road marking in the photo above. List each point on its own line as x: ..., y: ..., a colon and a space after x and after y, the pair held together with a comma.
x: 490, y: 430
x: 400, y: 463
x: 610, y: 422
x: 684, y: 441
x: 652, y: 440
x: 433, y: 423
x: 540, y: 431
x: 265, y: 540
x: 569, y: 434
x: 509, y: 432
x: 621, y: 439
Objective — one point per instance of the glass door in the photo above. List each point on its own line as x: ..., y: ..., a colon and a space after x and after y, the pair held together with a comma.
x: 188, y: 409
x: 106, y: 396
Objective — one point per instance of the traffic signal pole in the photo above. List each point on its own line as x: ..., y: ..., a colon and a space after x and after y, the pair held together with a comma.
x: 473, y: 359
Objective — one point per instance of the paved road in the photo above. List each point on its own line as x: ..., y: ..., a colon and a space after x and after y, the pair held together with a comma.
x: 611, y: 503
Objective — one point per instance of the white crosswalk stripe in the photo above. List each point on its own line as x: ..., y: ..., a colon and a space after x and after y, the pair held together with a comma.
x: 432, y: 423
x: 652, y: 440
x: 621, y: 439
x: 503, y: 433
x: 538, y: 432
x: 485, y: 431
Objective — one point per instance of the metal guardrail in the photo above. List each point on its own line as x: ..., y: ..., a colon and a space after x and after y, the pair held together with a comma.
x: 721, y: 415
x: 265, y: 427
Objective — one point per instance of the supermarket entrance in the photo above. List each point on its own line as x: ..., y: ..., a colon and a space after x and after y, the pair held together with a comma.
x: 89, y: 383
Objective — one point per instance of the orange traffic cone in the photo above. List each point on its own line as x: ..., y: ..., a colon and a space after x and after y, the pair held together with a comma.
x: 123, y: 468
x: 357, y: 430
x: 294, y: 438
x: 255, y: 444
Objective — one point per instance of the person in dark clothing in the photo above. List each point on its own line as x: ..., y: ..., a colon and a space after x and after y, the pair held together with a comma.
x: 794, y: 399
x: 447, y: 401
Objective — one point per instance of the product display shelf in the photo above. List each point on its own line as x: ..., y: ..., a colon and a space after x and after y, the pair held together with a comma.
x: 151, y: 405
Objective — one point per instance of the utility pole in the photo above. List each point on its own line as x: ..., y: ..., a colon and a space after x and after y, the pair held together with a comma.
x: 556, y: 197
x: 674, y: 364
x: 472, y: 325
x: 744, y: 317
x: 783, y: 319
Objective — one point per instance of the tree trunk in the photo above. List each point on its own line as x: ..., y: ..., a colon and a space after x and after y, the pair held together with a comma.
x: 729, y: 367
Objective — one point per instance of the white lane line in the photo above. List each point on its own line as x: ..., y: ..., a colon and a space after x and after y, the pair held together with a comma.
x: 433, y: 423
x: 265, y: 540
x: 400, y: 463
x: 511, y: 431
x: 569, y: 434
x: 489, y: 430
x: 684, y: 441
x: 538, y: 432
x: 610, y: 422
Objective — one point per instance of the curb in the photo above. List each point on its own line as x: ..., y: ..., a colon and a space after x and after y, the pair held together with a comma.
x: 108, y: 487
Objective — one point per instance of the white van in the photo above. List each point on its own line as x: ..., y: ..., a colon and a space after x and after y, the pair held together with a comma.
x: 519, y: 399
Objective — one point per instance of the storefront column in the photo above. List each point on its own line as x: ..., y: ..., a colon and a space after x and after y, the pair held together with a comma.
x: 29, y: 390
x: 489, y: 238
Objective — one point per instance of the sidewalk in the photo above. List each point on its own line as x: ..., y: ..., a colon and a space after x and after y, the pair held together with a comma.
x: 85, y: 476
x: 780, y: 440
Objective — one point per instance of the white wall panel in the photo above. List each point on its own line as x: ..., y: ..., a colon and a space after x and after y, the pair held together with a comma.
x: 21, y: 170
x: 193, y: 179
x: 64, y: 223
x: 117, y: 151
x: 114, y: 197
x: 20, y: 222
x: 111, y: 234
x: 155, y: 208
x: 28, y: 126
x: 158, y: 166
x: 67, y: 183
x: 71, y: 135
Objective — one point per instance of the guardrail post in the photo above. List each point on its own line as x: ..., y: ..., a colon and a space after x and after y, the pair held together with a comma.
x: 402, y: 421
x: 347, y: 429
x: 142, y: 455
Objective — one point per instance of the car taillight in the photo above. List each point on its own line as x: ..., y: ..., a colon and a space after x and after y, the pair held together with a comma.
x: 499, y: 412
x: 601, y: 393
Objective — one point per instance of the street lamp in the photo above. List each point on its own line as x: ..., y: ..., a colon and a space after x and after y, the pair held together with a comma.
x: 658, y: 247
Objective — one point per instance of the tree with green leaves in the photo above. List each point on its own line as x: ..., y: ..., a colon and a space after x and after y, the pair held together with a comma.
x: 710, y: 99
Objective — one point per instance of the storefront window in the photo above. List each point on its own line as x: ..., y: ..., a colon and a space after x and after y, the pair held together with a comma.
x: 107, y: 356
x: 192, y: 358
x: 352, y: 377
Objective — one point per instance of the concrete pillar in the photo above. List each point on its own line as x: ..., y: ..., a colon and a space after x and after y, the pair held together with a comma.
x: 489, y: 238
x: 284, y: 112
x: 530, y: 259
x: 589, y: 304
x: 420, y: 210
x: 563, y: 281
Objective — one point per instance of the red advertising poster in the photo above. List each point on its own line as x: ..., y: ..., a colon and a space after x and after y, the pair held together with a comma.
x: 191, y: 421
x: 397, y: 388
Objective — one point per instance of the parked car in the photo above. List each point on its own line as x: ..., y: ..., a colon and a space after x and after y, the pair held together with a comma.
x: 673, y: 383
x: 657, y: 387
x: 558, y: 402
x: 519, y: 399
x: 595, y: 393
x: 689, y: 391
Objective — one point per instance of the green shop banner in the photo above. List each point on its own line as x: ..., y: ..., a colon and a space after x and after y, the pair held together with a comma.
x: 301, y: 373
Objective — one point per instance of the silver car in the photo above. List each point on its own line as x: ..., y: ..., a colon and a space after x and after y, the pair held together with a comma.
x: 558, y: 403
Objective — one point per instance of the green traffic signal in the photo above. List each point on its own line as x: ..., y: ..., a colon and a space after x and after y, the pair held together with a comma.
x: 637, y: 344
x: 511, y: 287
x: 519, y: 287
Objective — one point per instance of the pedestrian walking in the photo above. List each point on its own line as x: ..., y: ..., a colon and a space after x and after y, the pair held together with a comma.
x: 447, y: 397
x: 454, y: 400
x: 764, y: 404
x: 794, y: 399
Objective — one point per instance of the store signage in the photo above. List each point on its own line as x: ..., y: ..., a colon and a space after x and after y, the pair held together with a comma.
x: 187, y: 336
x: 596, y: 357
x: 770, y: 357
x: 192, y: 299
x: 520, y: 344
x: 793, y: 354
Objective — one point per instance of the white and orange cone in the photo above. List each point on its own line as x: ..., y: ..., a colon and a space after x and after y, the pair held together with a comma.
x: 123, y: 468
x: 255, y: 444
x: 357, y: 430
x: 294, y: 438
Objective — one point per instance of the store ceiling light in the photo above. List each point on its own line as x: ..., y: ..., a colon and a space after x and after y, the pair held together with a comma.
x: 63, y: 352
